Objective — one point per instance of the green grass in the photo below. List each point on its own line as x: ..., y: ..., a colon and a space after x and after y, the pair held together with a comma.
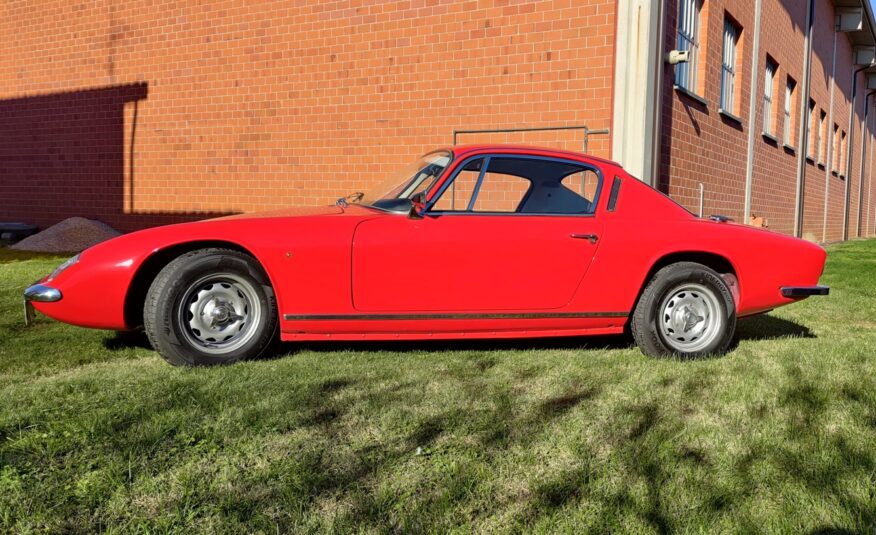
x: 97, y: 433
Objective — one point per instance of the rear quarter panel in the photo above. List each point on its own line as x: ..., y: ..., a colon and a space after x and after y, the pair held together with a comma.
x: 647, y: 227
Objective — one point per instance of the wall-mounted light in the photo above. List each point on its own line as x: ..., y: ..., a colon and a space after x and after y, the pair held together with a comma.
x: 674, y: 57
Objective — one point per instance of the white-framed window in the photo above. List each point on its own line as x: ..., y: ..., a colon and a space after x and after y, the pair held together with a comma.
x: 790, y: 94
x: 688, y: 39
x: 822, y: 134
x: 844, y: 151
x: 835, y: 141
x: 812, y: 133
x: 728, y: 67
x: 769, y: 82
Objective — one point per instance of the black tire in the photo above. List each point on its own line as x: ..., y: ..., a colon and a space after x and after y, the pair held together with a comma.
x: 235, y: 302
x: 676, y: 301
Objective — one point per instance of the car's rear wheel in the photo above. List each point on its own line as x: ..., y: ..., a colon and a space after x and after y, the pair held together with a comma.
x: 686, y: 310
x: 210, y: 306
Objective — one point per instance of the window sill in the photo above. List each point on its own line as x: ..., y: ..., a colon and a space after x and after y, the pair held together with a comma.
x: 691, y: 95
x: 769, y: 138
x: 810, y: 159
x: 821, y: 165
x: 730, y: 116
x: 790, y: 148
x: 835, y: 173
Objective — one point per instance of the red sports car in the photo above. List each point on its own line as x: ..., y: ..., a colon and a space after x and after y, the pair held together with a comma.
x: 467, y: 242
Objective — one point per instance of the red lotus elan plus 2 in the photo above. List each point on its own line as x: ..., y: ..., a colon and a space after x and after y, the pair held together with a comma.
x: 467, y: 242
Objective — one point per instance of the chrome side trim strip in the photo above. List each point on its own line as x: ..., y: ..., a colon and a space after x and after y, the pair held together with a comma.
x: 42, y: 293
x: 441, y: 316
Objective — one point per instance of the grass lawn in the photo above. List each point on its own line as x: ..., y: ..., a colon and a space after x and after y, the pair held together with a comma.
x: 97, y: 433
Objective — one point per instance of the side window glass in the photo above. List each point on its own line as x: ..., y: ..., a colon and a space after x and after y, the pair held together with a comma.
x: 500, y: 192
x: 457, y: 196
x: 583, y: 183
x: 523, y: 185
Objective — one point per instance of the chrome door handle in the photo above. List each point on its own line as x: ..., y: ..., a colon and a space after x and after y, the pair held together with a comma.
x: 591, y: 237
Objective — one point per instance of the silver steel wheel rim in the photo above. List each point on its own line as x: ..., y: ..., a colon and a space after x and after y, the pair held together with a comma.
x: 690, y: 318
x: 220, y: 313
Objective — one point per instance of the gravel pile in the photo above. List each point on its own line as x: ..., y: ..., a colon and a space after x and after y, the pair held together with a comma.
x: 69, y: 236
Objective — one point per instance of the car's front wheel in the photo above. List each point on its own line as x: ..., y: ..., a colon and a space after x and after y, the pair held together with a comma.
x: 686, y: 310
x: 210, y: 306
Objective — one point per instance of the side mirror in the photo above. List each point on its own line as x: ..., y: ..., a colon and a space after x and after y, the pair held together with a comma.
x: 418, y: 204
x: 407, y: 207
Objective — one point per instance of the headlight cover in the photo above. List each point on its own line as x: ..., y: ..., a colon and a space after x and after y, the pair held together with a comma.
x: 67, y: 263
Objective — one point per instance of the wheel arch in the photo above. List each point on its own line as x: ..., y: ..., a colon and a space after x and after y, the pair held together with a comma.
x: 155, y: 262
x: 718, y: 262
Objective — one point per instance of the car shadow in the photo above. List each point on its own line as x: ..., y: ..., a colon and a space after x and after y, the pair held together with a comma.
x: 127, y: 340
x: 577, y: 342
x: 761, y: 327
x: 767, y: 327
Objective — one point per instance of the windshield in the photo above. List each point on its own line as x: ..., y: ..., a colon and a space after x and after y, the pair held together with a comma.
x: 416, y: 177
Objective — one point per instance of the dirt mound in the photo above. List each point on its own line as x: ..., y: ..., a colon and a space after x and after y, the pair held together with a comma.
x: 69, y: 236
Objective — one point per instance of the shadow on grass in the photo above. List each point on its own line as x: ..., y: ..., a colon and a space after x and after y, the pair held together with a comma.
x: 648, y: 441
x: 767, y: 327
x: 520, y: 344
x: 762, y: 327
x: 127, y: 340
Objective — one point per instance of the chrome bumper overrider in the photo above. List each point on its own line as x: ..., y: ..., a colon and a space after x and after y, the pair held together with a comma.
x: 41, y: 293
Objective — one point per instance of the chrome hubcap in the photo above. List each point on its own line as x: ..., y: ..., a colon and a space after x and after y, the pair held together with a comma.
x: 220, y: 313
x: 690, y: 317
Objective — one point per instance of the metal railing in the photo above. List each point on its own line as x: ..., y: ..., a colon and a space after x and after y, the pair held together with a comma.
x: 587, y: 132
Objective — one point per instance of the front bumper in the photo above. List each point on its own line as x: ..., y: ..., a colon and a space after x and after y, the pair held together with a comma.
x: 797, y: 292
x: 40, y: 293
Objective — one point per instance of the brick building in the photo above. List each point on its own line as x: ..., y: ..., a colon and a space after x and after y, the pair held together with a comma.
x: 145, y: 112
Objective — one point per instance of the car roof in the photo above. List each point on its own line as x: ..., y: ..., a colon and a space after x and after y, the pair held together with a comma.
x: 464, y: 150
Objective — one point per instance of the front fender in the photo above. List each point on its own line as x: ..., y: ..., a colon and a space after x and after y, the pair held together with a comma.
x: 306, y: 259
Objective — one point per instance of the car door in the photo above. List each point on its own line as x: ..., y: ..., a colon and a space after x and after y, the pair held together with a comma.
x: 494, y: 239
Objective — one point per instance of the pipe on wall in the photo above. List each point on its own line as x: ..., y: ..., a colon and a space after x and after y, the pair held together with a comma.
x: 752, y: 112
x: 804, y: 121
x: 831, y: 141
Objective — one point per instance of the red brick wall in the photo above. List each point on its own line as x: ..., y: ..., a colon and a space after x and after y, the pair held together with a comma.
x: 139, y: 113
x: 842, y: 107
x: 701, y: 146
x: 857, y: 182
x: 819, y: 92
x: 868, y: 220
x: 774, y: 180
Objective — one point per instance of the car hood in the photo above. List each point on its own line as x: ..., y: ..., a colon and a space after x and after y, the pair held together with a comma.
x: 238, y: 229
x: 288, y: 212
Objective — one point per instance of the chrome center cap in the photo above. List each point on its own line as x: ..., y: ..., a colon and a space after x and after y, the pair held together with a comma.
x: 219, y: 312
x: 690, y: 319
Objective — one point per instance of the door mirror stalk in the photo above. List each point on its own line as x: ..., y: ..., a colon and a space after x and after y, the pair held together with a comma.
x: 412, y: 207
x: 418, y: 204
